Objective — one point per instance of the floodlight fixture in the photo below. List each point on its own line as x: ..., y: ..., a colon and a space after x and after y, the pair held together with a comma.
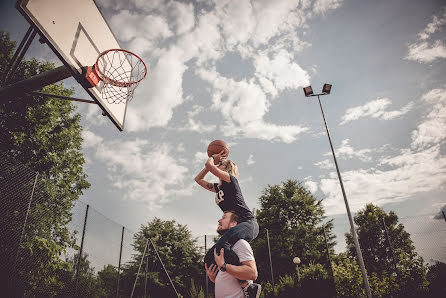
x: 326, y: 89
x: 308, y: 91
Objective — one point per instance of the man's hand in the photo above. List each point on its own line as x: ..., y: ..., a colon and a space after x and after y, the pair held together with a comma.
x: 211, y: 271
x: 219, y: 259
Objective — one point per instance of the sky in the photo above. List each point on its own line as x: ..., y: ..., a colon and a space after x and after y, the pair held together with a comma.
x: 234, y: 70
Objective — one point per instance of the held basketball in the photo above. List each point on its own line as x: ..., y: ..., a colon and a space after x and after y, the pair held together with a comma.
x: 217, y: 146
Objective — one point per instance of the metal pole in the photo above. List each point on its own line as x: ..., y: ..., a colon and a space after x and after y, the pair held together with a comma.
x: 390, y: 245
x: 35, y: 82
x: 63, y: 97
x: 137, y: 274
x: 81, y: 250
x: 24, y: 225
x: 145, y: 277
x: 26, y: 215
x: 269, y: 252
x: 162, y: 264
x: 18, y: 56
x: 205, y: 251
x: 352, y: 227
x: 16, y: 53
x: 329, y: 259
x: 119, y: 266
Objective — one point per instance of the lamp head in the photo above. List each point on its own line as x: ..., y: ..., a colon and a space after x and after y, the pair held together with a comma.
x: 326, y: 89
x: 296, y: 260
x: 308, y: 91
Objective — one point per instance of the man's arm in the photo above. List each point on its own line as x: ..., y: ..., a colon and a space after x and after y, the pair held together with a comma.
x: 247, y: 271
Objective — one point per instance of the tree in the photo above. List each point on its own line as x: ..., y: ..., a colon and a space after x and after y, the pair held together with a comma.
x: 293, y: 217
x: 178, y: 251
x: 437, y: 276
x: 108, y: 277
x: 393, y: 258
x: 42, y: 135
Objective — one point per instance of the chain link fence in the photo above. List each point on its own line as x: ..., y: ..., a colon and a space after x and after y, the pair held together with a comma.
x: 428, y: 232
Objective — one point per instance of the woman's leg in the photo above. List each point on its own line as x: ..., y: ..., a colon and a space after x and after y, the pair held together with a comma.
x: 230, y: 257
x: 245, y: 230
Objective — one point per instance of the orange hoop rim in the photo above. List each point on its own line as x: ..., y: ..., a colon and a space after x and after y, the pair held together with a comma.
x: 114, y: 82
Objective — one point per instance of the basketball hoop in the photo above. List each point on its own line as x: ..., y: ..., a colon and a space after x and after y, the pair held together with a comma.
x: 120, y: 72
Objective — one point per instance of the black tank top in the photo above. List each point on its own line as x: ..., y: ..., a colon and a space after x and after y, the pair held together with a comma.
x: 229, y: 197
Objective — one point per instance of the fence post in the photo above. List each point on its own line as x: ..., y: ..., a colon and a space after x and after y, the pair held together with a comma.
x: 81, y: 250
x: 119, y: 265
x: 269, y: 252
x: 140, y: 264
x: 145, y: 277
x: 390, y: 246
x: 23, y: 231
x: 206, y: 276
x: 329, y: 260
x: 26, y: 219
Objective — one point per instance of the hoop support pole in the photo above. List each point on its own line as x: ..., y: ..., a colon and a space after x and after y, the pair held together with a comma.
x: 19, y: 53
x: 36, y: 82
x: 62, y: 97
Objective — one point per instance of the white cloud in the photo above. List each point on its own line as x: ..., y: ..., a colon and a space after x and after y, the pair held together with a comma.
x: 281, y: 70
x: 94, y: 115
x: 237, y: 21
x: 143, y: 171
x: 243, y: 106
x: 347, y: 151
x: 250, y: 160
x: 182, y: 15
x: 322, y: 6
x: 200, y: 158
x: 178, y: 37
x: 325, y: 164
x: 425, y: 51
x: 411, y: 171
x: 90, y: 139
x: 433, y: 26
x: 149, y: 26
x: 375, y: 109
x: 163, y: 90
x: 433, y: 129
x: 311, y: 186
x: 197, y: 125
x: 273, y: 18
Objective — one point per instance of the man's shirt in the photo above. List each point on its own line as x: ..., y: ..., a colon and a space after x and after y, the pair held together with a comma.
x: 226, y: 285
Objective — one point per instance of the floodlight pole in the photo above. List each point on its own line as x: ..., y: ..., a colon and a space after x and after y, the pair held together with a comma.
x: 352, y: 227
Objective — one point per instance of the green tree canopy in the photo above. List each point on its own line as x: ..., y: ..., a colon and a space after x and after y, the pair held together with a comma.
x: 179, y: 253
x: 293, y: 217
x: 41, y: 135
x: 402, y: 264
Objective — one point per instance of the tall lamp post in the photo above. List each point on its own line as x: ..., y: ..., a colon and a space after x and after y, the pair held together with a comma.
x: 325, y: 91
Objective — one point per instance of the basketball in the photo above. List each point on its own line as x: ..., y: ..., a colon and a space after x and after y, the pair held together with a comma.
x: 216, y: 147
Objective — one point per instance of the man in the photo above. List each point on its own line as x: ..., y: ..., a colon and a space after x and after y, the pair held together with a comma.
x: 227, y: 277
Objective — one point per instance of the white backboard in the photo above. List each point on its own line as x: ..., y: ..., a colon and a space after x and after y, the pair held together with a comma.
x: 77, y: 33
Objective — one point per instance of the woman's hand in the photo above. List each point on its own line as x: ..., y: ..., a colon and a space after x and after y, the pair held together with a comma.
x: 219, y: 157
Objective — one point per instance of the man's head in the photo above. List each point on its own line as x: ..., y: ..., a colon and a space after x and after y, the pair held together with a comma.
x: 229, y: 220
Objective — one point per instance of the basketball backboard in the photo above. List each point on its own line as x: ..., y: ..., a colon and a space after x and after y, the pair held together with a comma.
x: 77, y: 33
